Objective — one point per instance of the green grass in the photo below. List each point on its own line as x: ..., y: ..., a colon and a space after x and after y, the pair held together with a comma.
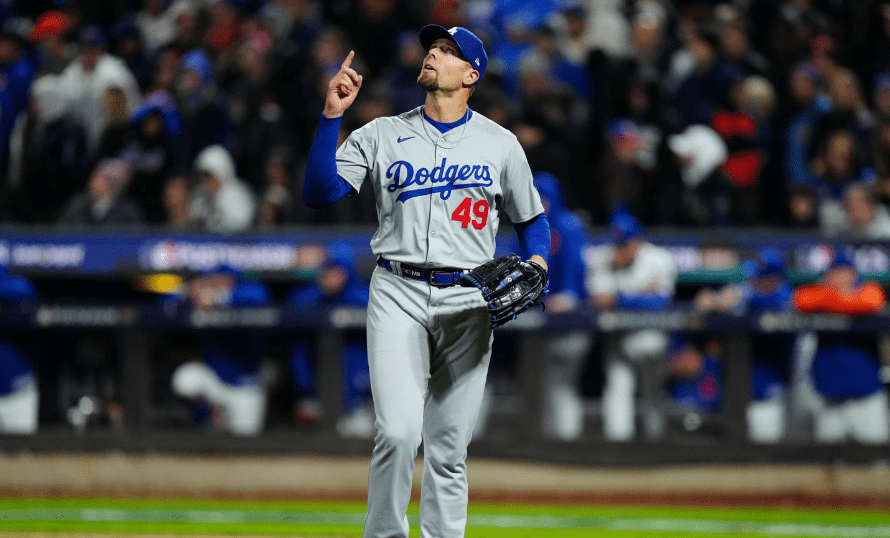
x: 310, y: 518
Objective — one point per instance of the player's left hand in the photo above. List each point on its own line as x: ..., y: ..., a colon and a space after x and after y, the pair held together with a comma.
x: 509, y: 286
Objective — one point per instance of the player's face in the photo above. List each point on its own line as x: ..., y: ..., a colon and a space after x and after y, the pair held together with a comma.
x: 445, y: 68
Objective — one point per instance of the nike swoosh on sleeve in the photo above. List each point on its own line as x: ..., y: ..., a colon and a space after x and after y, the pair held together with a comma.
x: 403, y: 139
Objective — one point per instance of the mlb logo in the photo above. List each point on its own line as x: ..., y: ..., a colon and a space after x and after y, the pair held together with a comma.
x: 477, y: 62
x: 453, y: 30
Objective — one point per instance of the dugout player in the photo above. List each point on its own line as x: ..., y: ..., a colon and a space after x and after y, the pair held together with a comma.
x: 441, y: 176
x: 632, y: 274
x: 853, y: 402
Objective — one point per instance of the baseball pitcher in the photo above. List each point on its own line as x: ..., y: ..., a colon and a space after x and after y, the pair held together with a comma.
x: 441, y: 176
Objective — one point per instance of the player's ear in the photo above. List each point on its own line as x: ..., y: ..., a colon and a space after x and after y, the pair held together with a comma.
x: 471, y: 76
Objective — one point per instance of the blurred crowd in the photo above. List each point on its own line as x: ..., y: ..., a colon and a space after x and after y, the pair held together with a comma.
x: 198, y: 114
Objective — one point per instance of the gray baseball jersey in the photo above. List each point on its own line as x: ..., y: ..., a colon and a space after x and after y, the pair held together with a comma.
x: 439, y: 195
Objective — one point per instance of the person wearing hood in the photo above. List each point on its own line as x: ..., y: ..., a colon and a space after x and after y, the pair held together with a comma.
x: 846, y: 368
x: 104, y: 202
x: 228, y: 377
x: 86, y: 79
x: 337, y: 283
x: 49, y: 161
x: 19, y: 396
x: 205, y: 118
x: 222, y: 203
x: 150, y: 145
x: 565, y: 352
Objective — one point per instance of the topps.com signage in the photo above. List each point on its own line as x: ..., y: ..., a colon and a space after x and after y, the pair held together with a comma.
x: 174, y: 255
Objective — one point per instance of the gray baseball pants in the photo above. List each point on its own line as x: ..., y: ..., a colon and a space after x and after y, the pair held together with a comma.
x: 428, y: 352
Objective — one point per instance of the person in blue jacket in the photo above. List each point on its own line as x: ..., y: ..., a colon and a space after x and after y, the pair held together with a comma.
x: 229, y: 375
x: 19, y: 396
x: 337, y: 284
x: 563, y: 416
x: 772, y: 354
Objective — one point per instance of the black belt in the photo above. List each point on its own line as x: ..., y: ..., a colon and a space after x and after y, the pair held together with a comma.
x: 440, y: 277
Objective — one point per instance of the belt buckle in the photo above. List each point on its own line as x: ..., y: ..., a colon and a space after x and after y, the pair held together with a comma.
x: 433, y: 283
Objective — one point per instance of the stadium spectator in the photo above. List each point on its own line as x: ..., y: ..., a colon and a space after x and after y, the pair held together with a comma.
x: 646, y: 66
x: 49, y: 161
x: 224, y: 20
x: 126, y: 44
x: 205, y: 119
x: 221, y: 202
x: 372, y: 27
x: 766, y: 288
x: 863, y: 217
x: 566, y: 352
x: 277, y: 200
x: 401, y: 76
x: 808, y: 105
x: 156, y: 24
x: 50, y: 35
x: 735, y: 42
x: 705, y: 190
x: 188, y: 17
x: 881, y: 95
x: 625, y: 183
x: 177, y: 197
x: 116, y: 130
x: 151, y: 148
x: 707, y: 87
x: 19, y: 392
x: 849, y: 111
x: 17, y: 75
x: 745, y: 128
x: 105, y: 201
x: 839, y: 163
x: 846, y: 367
x: 634, y: 274
x: 337, y: 283
x: 803, y: 208
x: 228, y: 377
x: 607, y: 29
x: 258, y: 120
x: 86, y: 79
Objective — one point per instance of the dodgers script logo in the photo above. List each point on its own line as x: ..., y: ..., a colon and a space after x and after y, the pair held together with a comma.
x: 454, y: 177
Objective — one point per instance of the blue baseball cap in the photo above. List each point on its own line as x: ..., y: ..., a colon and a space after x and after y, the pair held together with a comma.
x: 623, y: 227
x: 470, y: 45
x: 770, y: 261
x: 842, y: 258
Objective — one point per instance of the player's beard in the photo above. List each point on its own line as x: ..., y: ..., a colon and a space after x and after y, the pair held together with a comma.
x: 429, y: 83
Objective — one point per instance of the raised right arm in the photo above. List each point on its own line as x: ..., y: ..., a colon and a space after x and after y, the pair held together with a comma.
x: 322, y: 186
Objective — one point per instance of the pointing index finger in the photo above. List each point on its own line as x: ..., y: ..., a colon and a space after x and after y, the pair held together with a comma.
x: 348, y: 61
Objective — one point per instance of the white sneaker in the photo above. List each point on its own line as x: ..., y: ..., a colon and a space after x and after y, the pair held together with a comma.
x: 358, y: 424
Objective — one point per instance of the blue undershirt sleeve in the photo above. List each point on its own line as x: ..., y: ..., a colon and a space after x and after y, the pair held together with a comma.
x: 534, y: 236
x: 322, y: 186
x: 642, y: 302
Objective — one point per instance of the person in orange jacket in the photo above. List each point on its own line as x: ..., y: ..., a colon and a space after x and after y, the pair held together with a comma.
x: 846, y: 367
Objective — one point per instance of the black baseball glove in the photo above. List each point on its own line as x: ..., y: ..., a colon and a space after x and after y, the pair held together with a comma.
x: 510, y: 286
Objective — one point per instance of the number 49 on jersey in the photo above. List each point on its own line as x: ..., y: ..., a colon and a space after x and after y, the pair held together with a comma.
x: 468, y: 213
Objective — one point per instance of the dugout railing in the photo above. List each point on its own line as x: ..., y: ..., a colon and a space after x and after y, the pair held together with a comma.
x: 135, y: 325
x: 283, y: 256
